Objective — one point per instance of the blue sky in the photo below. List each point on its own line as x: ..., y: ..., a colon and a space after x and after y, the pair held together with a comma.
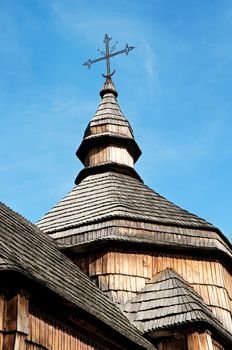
x: 175, y: 89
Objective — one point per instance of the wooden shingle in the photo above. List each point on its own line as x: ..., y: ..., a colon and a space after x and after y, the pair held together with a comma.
x: 108, y: 195
x: 28, y: 251
x: 156, y: 307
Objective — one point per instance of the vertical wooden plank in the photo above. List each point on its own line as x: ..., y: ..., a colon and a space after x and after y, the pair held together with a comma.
x: 194, y: 341
x: 22, y: 313
x: 98, y: 265
x: 207, y: 339
x: 2, y: 307
x: 117, y: 263
x: 16, y: 320
x: 200, y: 341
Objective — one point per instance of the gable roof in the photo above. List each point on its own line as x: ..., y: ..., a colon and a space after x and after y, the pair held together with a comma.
x: 107, y: 195
x: 24, y: 248
x: 168, y: 301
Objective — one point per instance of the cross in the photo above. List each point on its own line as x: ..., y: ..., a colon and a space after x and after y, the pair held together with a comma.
x: 107, y: 54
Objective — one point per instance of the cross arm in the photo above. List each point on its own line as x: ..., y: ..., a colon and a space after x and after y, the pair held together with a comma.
x: 126, y: 50
x: 90, y: 62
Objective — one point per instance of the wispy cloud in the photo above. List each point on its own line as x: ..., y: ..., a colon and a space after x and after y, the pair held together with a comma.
x: 149, y: 66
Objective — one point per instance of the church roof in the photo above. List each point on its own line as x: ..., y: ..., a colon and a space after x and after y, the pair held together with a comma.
x: 111, y: 194
x: 168, y: 301
x: 27, y: 250
x: 108, y: 126
x: 109, y: 111
x: 109, y: 188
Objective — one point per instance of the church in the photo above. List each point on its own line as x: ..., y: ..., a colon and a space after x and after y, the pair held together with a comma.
x: 113, y: 265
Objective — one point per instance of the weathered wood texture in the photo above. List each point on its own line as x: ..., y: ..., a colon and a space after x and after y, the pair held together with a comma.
x: 200, y: 341
x: 32, y: 253
x: 122, y: 275
x: 107, y: 127
x: 115, y: 128
x: 109, y: 118
x: 173, y: 344
x: 47, y: 334
x: 13, y: 321
x: 2, y: 317
x: 110, y: 195
x: 217, y: 346
x: 166, y: 302
x: 196, y: 340
x: 108, y: 154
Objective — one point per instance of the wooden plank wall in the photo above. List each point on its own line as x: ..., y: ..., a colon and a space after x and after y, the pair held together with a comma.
x: 13, y: 321
x: 112, y: 128
x: 99, y: 155
x: 195, y: 340
x: 2, y: 312
x: 176, y: 344
x: 200, y: 341
x: 121, y: 275
x: 46, y: 334
x: 21, y: 330
x: 217, y: 346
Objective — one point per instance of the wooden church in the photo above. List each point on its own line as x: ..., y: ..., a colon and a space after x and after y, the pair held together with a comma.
x: 113, y: 265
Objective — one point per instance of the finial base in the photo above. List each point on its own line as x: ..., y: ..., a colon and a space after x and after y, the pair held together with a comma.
x: 108, y: 87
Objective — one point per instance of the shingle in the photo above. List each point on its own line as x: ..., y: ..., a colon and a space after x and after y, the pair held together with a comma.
x: 111, y: 194
x: 99, y: 200
x: 186, y: 306
x: 24, y: 248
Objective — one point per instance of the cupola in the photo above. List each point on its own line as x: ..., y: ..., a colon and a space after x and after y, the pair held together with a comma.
x: 108, y: 139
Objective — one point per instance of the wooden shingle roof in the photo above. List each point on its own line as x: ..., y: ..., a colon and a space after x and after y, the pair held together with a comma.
x: 108, y: 195
x: 108, y: 126
x: 109, y: 189
x: 168, y: 301
x: 27, y: 250
x: 109, y: 111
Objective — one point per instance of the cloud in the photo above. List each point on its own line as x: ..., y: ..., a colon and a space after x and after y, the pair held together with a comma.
x: 149, y: 65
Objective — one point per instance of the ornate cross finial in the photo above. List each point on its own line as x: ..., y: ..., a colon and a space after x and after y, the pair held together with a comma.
x: 109, y: 52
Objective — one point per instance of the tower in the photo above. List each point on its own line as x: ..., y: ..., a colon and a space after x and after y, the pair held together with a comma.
x: 168, y: 270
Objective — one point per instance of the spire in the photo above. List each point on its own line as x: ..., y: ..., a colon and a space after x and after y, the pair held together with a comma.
x: 108, y: 141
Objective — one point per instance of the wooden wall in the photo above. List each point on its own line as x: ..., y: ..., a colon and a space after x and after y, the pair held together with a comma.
x: 24, y: 328
x: 101, y: 155
x: 13, y: 321
x: 122, y: 274
x: 47, y: 334
x: 173, y: 344
x: 110, y: 128
x: 200, y: 341
x: 193, y: 340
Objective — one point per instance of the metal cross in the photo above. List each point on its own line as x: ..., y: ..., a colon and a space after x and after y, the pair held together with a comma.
x: 107, y: 54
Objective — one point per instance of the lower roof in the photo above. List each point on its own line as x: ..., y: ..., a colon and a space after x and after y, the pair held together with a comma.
x: 168, y: 301
x: 24, y: 248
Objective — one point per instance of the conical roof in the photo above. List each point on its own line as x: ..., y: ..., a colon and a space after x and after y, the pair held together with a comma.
x: 168, y: 301
x: 109, y: 114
